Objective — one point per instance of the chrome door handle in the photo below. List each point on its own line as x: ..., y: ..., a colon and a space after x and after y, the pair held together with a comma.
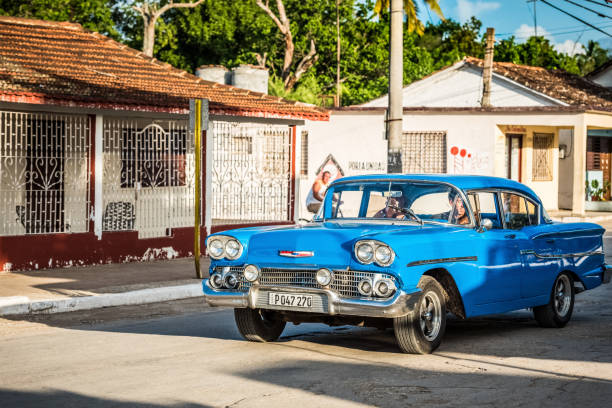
x: 550, y: 241
x: 510, y: 236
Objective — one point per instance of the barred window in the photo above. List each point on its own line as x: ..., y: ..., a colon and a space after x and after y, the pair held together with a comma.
x: 153, y: 157
x: 304, y: 159
x: 542, y: 156
x: 424, y: 152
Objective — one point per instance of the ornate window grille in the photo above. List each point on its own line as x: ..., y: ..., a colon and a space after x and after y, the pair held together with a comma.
x: 250, y: 172
x: 542, y: 156
x: 44, y: 173
x: 424, y: 152
x: 304, y: 154
x: 148, y: 180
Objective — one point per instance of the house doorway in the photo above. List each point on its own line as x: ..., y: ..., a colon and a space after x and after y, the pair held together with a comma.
x: 44, y: 177
x: 514, y: 147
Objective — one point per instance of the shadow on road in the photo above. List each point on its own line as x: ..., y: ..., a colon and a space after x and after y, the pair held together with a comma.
x: 61, y: 398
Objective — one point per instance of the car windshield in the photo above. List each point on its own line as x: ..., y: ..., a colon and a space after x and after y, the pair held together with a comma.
x: 408, y: 201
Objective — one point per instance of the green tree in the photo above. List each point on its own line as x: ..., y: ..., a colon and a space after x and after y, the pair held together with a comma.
x: 449, y: 41
x: 593, y: 57
x: 94, y: 15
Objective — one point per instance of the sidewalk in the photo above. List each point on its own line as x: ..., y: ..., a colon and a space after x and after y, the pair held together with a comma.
x: 78, y: 288
x: 589, y: 216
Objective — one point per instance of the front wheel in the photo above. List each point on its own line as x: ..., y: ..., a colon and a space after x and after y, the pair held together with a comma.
x: 558, y: 311
x: 259, y: 325
x: 421, y: 331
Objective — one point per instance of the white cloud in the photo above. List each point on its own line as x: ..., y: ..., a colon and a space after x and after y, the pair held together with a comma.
x: 467, y: 9
x: 568, y: 47
x: 525, y: 31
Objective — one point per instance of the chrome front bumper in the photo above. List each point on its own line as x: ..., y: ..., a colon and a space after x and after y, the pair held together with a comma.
x: 400, y: 304
x: 607, y: 274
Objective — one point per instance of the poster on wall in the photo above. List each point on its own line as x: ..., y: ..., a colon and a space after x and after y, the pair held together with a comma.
x: 469, y: 161
x: 330, y: 164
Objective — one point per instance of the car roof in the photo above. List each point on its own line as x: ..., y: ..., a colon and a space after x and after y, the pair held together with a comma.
x: 461, y: 181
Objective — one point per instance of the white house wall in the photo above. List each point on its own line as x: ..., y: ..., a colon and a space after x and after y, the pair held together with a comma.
x: 356, y: 141
x: 462, y: 87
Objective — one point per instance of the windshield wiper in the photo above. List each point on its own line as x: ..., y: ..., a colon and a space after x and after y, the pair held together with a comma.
x: 407, y: 211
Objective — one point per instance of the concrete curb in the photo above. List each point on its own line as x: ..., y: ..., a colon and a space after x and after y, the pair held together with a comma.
x: 18, y: 305
x: 595, y: 219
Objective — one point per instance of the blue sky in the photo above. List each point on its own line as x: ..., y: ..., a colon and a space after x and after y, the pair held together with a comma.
x: 510, y: 17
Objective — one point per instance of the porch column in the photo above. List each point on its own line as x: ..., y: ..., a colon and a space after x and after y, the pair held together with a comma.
x: 99, y: 169
x: 580, y: 143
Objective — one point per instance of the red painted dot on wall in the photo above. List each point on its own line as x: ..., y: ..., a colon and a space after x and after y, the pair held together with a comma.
x: 454, y: 150
x: 462, y: 153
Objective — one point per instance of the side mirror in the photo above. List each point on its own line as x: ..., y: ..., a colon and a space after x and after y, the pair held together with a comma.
x: 485, y: 225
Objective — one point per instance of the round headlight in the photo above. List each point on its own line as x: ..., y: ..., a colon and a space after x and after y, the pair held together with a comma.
x: 251, y: 273
x: 365, y: 253
x: 324, y: 277
x: 216, y: 281
x: 232, y: 248
x: 384, y: 288
x: 383, y: 255
x: 365, y: 287
x: 215, y: 248
x: 230, y: 280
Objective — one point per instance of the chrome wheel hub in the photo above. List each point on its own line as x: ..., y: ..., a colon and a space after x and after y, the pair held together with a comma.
x: 562, y: 296
x: 430, y: 316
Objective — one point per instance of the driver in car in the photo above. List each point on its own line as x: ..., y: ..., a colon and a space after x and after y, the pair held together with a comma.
x: 391, y: 209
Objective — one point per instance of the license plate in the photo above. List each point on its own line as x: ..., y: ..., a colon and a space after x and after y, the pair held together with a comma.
x: 289, y: 299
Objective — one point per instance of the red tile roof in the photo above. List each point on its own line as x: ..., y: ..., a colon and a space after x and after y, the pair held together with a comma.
x: 62, y: 63
x: 558, y: 84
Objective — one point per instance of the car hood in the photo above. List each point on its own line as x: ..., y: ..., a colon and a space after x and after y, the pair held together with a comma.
x: 330, y: 242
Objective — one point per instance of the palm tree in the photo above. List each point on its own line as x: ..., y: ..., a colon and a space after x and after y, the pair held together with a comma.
x: 594, y: 56
x: 396, y: 52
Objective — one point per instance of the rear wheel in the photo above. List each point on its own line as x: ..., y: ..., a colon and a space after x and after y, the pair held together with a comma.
x: 558, y: 311
x: 259, y: 325
x: 421, y: 331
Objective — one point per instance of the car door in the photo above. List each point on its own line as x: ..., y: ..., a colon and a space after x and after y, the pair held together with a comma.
x: 499, y: 253
x: 539, y: 253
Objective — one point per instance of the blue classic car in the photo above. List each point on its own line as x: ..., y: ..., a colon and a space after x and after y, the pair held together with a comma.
x: 402, y: 251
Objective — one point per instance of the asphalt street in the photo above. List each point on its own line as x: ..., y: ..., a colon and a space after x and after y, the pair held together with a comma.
x: 186, y: 354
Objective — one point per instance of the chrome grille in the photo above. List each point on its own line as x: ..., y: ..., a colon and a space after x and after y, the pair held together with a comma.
x: 345, y: 281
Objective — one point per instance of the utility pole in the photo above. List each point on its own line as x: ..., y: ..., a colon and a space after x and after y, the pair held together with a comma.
x: 396, y: 71
x: 535, y: 16
x: 337, y: 102
x: 487, y: 71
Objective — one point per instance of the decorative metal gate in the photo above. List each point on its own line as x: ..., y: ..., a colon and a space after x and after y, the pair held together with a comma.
x: 44, y: 173
x: 148, y: 182
x: 250, y: 172
x: 424, y: 152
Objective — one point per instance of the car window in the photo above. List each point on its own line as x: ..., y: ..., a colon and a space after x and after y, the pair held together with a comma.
x: 348, y: 204
x: 516, y: 214
x: 486, y: 207
x: 532, y: 210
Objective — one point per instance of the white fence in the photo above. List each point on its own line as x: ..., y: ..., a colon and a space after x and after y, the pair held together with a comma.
x: 251, y: 172
x: 44, y: 173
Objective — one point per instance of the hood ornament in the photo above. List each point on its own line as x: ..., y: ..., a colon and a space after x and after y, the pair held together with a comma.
x: 296, y: 254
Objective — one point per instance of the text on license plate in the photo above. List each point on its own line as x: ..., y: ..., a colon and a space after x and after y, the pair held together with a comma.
x: 289, y: 299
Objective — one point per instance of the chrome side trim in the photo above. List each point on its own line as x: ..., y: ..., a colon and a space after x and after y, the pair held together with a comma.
x: 400, y: 304
x: 443, y: 260
x: 560, y: 256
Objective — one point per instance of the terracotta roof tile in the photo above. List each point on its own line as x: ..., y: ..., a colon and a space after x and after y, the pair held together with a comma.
x: 58, y: 62
x: 558, y: 84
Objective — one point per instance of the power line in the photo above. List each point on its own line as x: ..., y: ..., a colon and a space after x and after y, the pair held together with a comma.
x: 554, y: 32
x: 589, y: 9
x: 576, y: 18
x: 599, y: 4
